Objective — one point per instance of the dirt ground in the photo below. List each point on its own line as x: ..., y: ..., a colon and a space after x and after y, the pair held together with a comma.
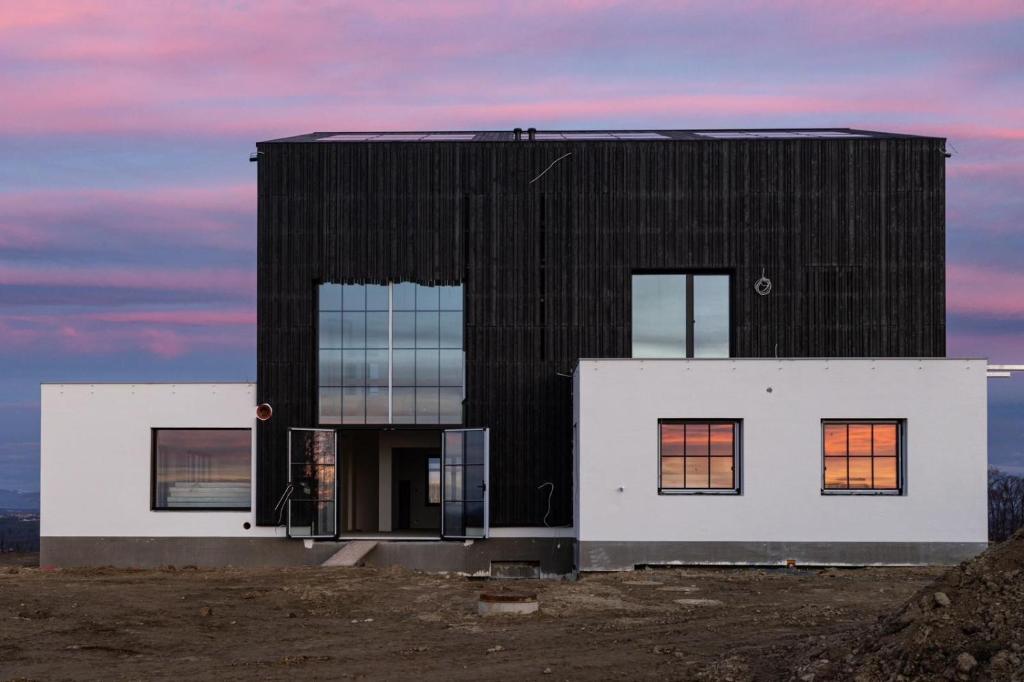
x: 319, y: 623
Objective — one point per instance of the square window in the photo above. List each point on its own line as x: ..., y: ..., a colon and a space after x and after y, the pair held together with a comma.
x: 862, y: 457
x: 353, y: 297
x: 427, y: 298
x: 202, y: 469
x: 427, y: 406
x: 353, y: 330
x: 330, y: 367
x: 427, y: 330
x: 403, y: 405
x: 330, y: 330
x: 377, y: 297
x: 699, y: 456
x: 376, y: 405
x: 450, y: 405
x: 353, y: 405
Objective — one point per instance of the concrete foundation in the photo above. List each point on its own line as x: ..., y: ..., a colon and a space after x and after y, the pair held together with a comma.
x: 126, y: 552
x: 624, y: 556
x: 555, y: 556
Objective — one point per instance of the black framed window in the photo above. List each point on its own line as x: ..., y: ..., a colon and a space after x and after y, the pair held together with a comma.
x: 698, y: 456
x: 681, y: 315
x: 202, y: 469
x: 862, y: 456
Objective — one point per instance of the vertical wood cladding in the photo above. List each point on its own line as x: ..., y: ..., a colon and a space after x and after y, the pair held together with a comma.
x: 851, y: 233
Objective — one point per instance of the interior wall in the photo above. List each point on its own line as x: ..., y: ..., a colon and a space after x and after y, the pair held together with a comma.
x: 428, y: 438
x: 411, y: 465
x: 360, y: 508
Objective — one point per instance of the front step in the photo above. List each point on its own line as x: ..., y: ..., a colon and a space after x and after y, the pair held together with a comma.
x: 351, y: 554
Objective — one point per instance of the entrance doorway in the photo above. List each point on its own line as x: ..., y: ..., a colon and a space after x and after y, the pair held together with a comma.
x: 412, y: 483
x: 387, y: 487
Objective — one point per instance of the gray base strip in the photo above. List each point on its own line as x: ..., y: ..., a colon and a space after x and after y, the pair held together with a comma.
x: 554, y: 556
x: 624, y: 556
x: 123, y: 552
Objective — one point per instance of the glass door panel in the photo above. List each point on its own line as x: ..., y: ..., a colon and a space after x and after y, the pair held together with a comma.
x: 312, y: 481
x: 464, y: 494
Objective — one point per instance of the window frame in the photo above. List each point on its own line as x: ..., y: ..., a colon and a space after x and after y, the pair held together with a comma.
x: 688, y: 295
x: 737, y: 457
x: 901, y: 458
x: 152, y: 469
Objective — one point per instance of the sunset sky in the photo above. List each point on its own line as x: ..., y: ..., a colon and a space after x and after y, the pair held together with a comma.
x: 127, y: 201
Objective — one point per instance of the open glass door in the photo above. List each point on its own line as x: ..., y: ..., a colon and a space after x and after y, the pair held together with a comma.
x: 464, y: 512
x: 312, y: 483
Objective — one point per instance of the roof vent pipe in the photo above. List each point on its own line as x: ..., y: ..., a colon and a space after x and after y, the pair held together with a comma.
x: 531, y: 133
x: 517, y: 134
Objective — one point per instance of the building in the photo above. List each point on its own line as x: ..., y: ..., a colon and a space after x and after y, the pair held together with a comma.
x: 765, y: 310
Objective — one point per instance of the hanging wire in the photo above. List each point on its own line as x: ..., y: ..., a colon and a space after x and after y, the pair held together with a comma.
x: 550, y: 493
x: 550, y: 166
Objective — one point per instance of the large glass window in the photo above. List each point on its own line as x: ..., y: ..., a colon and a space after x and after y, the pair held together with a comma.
x: 390, y: 354
x: 698, y: 456
x: 680, y: 316
x: 862, y: 456
x: 202, y: 469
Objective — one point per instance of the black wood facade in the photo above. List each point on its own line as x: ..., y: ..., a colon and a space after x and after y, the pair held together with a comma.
x: 851, y: 232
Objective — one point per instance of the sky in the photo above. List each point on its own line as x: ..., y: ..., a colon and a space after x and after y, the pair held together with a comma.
x: 127, y: 202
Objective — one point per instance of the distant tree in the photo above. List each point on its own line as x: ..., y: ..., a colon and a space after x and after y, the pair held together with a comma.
x: 1005, y: 504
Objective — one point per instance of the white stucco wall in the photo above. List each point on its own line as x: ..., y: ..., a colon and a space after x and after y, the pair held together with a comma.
x: 95, y: 450
x: 944, y: 403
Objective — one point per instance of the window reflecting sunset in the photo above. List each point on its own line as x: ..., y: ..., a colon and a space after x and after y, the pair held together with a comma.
x: 698, y: 456
x: 861, y: 456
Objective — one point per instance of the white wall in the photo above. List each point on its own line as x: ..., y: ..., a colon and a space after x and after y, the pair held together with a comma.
x: 95, y: 449
x: 944, y: 403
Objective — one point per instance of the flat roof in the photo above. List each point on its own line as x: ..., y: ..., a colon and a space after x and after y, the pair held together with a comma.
x: 599, y: 135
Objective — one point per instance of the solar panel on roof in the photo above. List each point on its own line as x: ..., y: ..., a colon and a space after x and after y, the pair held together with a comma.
x: 345, y: 138
x: 451, y: 136
x: 774, y: 134
x: 642, y: 135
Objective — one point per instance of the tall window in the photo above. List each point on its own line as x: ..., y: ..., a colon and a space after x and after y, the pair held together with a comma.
x: 390, y: 354
x: 862, y: 456
x: 699, y: 456
x: 202, y: 469
x: 680, y: 316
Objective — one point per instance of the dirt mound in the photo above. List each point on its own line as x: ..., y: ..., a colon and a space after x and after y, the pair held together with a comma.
x: 967, y: 625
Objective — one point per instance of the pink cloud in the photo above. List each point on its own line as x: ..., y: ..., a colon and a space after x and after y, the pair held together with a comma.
x: 84, y: 220
x: 1007, y: 348
x: 233, y: 280
x: 164, y: 333
x: 269, y: 69
x: 975, y: 290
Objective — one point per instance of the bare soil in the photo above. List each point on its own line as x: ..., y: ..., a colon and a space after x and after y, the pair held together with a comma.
x: 968, y: 625
x: 318, y: 623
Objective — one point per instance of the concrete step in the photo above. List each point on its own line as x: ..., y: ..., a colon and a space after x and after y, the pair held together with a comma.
x: 352, y: 553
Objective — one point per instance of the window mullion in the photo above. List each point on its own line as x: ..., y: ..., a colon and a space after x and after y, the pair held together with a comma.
x: 689, y: 316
